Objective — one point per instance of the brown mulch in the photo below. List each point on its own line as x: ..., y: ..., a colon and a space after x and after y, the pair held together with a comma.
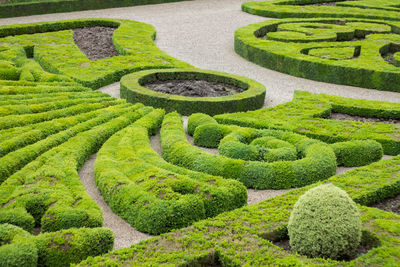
x: 95, y: 42
x: 193, y: 88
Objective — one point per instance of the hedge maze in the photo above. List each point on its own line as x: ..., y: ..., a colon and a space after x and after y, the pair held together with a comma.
x: 52, y: 121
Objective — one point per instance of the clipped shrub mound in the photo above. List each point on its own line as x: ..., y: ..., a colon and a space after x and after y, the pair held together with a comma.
x: 328, y: 50
x: 251, y: 98
x: 325, y: 223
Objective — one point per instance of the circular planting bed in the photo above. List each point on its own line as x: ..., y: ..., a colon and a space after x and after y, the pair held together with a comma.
x: 191, y: 90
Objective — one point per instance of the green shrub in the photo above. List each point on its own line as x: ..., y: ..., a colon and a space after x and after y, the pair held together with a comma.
x: 208, y: 135
x: 357, y: 152
x: 325, y: 222
x: 197, y: 119
x: 16, y: 247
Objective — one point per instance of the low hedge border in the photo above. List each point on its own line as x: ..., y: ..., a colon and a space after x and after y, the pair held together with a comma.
x: 319, y: 160
x: 368, y: 69
x: 369, y: 9
x: 133, y: 40
x: 27, y: 8
x: 306, y: 114
x: 132, y: 90
x: 19, y: 248
x: 243, y: 237
x: 153, y: 196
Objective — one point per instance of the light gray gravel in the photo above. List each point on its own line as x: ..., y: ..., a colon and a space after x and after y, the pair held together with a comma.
x: 124, y: 234
x: 200, y: 33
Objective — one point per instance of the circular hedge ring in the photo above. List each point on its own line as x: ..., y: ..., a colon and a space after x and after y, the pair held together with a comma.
x: 251, y: 98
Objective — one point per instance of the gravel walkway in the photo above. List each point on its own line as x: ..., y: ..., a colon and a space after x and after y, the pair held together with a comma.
x: 200, y: 33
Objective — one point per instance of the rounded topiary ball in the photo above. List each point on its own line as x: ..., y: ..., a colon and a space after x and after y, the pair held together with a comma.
x: 326, y: 223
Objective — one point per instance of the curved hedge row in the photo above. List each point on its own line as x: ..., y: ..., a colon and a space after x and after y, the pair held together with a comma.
x: 16, y: 8
x: 19, y: 248
x: 270, y: 146
x: 308, y: 114
x: 370, y: 9
x: 133, y: 91
x: 244, y: 237
x: 152, y: 195
x: 319, y: 161
x: 347, y: 51
x: 133, y: 40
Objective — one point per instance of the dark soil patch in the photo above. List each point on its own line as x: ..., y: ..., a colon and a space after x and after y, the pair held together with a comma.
x: 390, y: 204
x: 37, y: 230
x: 95, y: 42
x: 193, y: 88
x: 389, y: 58
x: 342, y: 117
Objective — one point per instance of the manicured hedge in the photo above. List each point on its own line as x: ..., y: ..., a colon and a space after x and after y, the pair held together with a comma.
x: 243, y: 237
x: 49, y: 188
x: 318, y: 161
x: 133, y: 91
x: 152, y: 195
x: 319, y: 48
x: 19, y: 248
x: 306, y: 114
x: 133, y: 40
x: 27, y: 8
x: 371, y: 9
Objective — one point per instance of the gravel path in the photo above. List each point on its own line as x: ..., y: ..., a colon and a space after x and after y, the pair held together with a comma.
x: 200, y: 32
x: 125, y: 235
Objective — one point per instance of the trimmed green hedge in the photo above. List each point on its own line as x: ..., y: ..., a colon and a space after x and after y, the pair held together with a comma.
x: 317, y: 161
x: 35, y: 7
x: 133, y: 91
x: 307, y: 114
x: 324, y: 50
x: 370, y: 9
x: 270, y: 146
x: 19, y: 248
x: 243, y: 237
x: 133, y: 40
x: 152, y: 195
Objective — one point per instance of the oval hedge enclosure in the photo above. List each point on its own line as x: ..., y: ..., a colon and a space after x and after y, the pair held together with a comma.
x: 358, y: 52
x: 250, y: 99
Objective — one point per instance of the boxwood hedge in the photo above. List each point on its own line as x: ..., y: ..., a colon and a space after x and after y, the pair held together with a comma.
x: 152, y: 195
x: 346, y: 51
x: 308, y: 114
x: 133, y: 91
x: 371, y: 9
x: 133, y: 40
x: 317, y: 159
x: 16, y: 8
